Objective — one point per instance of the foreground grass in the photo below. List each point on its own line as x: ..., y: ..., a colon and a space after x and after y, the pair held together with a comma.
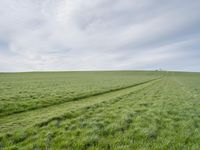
x: 161, y: 114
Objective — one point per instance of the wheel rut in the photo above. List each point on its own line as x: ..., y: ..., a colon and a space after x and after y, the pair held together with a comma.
x: 32, y: 117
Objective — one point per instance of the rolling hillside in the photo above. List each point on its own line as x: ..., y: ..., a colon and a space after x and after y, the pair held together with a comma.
x: 100, y: 110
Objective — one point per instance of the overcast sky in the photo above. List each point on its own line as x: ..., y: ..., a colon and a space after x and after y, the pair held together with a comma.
x: 39, y: 35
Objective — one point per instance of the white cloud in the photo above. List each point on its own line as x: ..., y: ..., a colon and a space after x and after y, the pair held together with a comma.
x: 98, y: 34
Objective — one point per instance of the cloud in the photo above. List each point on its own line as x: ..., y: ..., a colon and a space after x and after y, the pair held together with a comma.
x: 99, y: 35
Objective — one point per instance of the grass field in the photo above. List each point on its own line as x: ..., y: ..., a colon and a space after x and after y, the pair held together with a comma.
x: 100, y: 110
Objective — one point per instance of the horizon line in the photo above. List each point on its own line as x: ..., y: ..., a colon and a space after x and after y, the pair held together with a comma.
x: 147, y: 70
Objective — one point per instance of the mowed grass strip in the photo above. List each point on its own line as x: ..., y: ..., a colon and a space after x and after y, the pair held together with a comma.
x: 74, y: 113
x: 21, y: 92
x: 41, y: 116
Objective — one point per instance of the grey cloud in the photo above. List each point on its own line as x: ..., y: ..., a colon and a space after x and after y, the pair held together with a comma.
x: 99, y: 34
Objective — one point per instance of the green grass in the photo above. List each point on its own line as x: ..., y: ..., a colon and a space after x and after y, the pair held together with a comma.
x: 121, y: 110
x: 25, y: 91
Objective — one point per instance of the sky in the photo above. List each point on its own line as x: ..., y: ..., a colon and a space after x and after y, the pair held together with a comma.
x: 61, y: 35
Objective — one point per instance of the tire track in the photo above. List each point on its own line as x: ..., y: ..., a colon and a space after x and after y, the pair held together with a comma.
x: 92, y: 111
x: 30, y: 118
x: 76, y: 98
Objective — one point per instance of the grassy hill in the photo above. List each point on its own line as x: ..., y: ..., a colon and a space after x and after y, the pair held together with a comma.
x: 100, y: 110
